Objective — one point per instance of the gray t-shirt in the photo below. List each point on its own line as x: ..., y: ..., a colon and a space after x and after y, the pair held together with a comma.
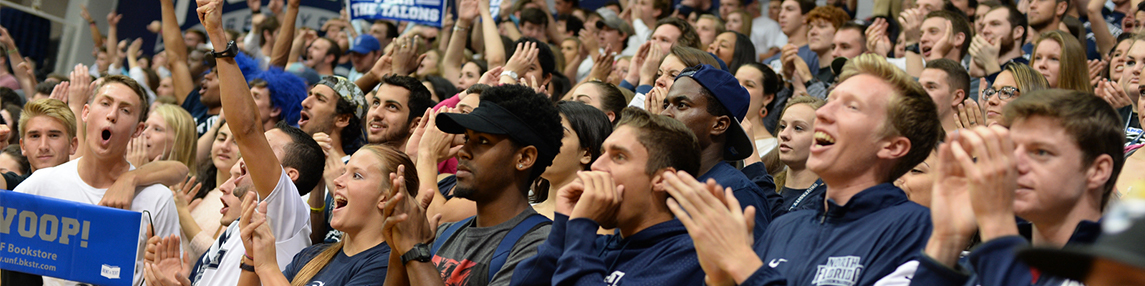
x: 463, y: 259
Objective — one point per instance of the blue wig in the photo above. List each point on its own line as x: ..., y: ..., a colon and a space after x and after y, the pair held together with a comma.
x: 286, y: 92
x: 247, y: 65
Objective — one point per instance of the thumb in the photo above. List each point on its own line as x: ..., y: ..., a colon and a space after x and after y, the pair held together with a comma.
x: 749, y: 219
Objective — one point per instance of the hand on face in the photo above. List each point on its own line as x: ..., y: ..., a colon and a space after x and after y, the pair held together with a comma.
x: 600, y: 199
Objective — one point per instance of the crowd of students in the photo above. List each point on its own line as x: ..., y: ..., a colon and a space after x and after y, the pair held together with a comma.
x: 646, y: 142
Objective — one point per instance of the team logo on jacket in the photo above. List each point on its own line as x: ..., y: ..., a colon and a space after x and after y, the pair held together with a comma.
x: 614, y: 278
x: 841, y: 271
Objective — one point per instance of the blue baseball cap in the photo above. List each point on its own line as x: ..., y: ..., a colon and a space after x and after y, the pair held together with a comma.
x: 365, y: 43
x: 724, y: 87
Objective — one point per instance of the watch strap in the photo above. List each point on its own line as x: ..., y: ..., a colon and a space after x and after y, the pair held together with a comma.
x: 419, y: 252
x: 913, y: 48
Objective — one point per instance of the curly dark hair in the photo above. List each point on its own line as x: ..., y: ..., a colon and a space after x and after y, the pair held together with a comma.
x: 538, y: 111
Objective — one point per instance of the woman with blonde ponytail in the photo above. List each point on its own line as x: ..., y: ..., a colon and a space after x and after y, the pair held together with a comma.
x: 362, y: 256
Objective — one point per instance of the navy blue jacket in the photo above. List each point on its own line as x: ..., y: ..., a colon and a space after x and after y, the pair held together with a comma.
x: 757, y: 173
x: 995, y: 263
x: 746, y: 192
x: 855, y: 244
x: 574, y: 254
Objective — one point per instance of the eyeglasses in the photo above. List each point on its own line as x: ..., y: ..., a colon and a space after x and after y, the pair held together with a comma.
x: 1007, y: 92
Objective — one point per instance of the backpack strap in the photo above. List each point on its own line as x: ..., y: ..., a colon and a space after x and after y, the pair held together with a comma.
x: 503, y: 249
x: 447, y: 233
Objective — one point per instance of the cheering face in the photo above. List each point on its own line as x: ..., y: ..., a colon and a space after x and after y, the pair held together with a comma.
x: 933, y: 29
x: 626, y: 160
x: 470, y: 74
x: 484, y: 165
x: 572, y: 157
x: 706, y: 29
x: 46, y: 142
x: 665, y: 36
x: 224, y: 151
x: 934, y: 82
x: 796, y: 134
x: 1047, y: 60
x: 112, y: 119
x: 848, y: 128
x: 359, y: 192
x: 820, y: 35
x: 1117, y: 60
x: 669, y: 69
x: 232, y: 201
x: 586, y: 93
x: 318, y: 110
x: 387, y: 118
x: 724, y: 46
x: 160, y: 137
x: 1051, y: 175
x: 918, y: 182
x: 790, y: 17
x: 209, y: 89
x: 995, y: 104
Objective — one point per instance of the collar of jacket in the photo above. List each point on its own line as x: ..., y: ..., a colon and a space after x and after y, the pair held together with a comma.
x: 872, y: 199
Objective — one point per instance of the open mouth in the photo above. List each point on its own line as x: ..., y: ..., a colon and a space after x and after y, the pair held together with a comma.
x: 823, y: 139
x: 376, y: 125
x: 225, y: 206
x: 339, y: 202
x: 926, y: 51
x: 303, y: 117
x: 105, y: 134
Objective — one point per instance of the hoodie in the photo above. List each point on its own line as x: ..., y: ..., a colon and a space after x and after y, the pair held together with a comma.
x: 853, y: 244
x: 574, y: 254
x: 995, y: 262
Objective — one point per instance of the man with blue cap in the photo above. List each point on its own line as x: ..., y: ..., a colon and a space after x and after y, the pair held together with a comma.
x: 711, y: 103
x: 365, y: 52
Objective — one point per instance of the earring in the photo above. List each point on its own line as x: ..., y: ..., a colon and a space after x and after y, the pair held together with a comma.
x: 520, y: 166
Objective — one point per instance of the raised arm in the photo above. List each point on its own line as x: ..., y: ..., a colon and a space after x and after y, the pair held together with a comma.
x: 111, y: 44
x: 455, y: 52
x: 176, y: 52
x: 242, y: 113
x: 20, y: 69
x: 494, y: 48
x: 123, y: 191
x: 283, y: 42
x: 1105, y: 40
x: 96, y: 37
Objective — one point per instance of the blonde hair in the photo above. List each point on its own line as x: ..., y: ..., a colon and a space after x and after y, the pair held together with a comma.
x: 911, y: 113
x: 53, y: 108
x: 771, y: 159
x: 720, y: 29
x: 182, y: 125
x: 390, y: 158
x: 1073, y: 72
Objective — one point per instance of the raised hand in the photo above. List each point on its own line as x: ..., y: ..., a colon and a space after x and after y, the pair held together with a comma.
x: 467, y: 10
x: 113, y: 19
x: 525, y: 54
x: 911, y: 21
x: 250, y: 220
x: 537, y: 87
x: 651, y: 64
x: 185, y: 193
x: 491, y: 76
x: 167, y: 268
x: 405, y: 223
x: 721, y: 232
x: 654, y: 100
x: 637, y: 62
x: 877, y: 40
x: 986, y: 155
x: 6, y: 38
x: 435, y: 143
x: 86, y: 16
x: 969, y: 115
x: 985, y: 51
x: 210, y: 14
x: 405, y: 58
x: 602, y: 64
x: 60, y: 92
x: 589, y: 43
x: 1095, y: 68
x: 600, y: 198
x: 952, y: 216
x: 137, y: 151
x: 1112, y: 93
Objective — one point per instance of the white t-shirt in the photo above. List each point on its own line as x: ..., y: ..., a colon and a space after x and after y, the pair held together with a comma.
x: 64, y: 182
x: 765, y: 145
x: 765, y: 34
x: 289, y: 218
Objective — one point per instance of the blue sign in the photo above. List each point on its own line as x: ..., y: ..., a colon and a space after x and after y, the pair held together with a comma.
x: 423, y: 12
x: 68, y: 240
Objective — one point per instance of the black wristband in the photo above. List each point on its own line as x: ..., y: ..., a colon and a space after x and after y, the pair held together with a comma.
x: 913, y: 48
x: 246, y: 267
x: 259, y: 11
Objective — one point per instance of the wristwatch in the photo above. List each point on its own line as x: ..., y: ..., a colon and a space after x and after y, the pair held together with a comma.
x: 419, y: 252
x: 510, y: 73
x: 230, y: 52
x: 913, y: 48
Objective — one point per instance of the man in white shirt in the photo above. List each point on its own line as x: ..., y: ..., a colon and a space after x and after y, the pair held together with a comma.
x: 260, y: 171
x: 115, y: 114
